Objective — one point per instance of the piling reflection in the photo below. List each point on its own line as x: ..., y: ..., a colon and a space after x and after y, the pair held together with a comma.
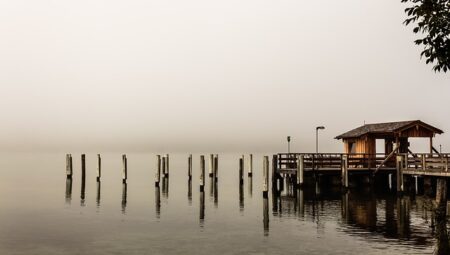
x: 157, y: 202
x: 83, y: 191
x: 241, y: 198
x: 68, y: 190
x: 190, y: 191
x: 98, y: 193
x: 202, y: 208
x: 165, y: 187
x: 442, y: 239
x: 124, y: 197
x: 266, y: 216
x: 216, y: 194
x: 250, y: 186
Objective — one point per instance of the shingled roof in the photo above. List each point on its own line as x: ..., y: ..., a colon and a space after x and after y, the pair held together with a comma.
x: 388, y: 127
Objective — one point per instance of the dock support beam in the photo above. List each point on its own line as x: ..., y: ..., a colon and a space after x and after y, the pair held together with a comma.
x: 300, y: 170
x: 441, y: 191
x: 399, y: 165
x: 211, y: 165
x: 265, y: 176
x: 216, y: 167
x: 344, y: 171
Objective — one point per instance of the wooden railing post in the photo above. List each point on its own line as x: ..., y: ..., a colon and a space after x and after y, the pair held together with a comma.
x: 423, y: 162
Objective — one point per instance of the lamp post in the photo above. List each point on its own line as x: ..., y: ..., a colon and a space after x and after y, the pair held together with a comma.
x: 317, y: 137
x: 289, y: 144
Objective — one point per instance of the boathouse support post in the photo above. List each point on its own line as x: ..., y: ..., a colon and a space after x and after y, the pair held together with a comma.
x: 99, y: 167
x: 265, y: 176
x: 211, y: 165
x: 124, y: 168
x: 250, y: 165
x: 399, y: 166
x: 190, y: 167
x: 441, y: 191
x: 158, y: 170
x: 274, y: 171
x: 344, y: 171
x: 300, y: 170
x: 69, y: 169
x: 202, y: 173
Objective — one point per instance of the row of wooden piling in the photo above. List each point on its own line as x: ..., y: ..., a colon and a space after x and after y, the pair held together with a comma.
x: 162, y: 169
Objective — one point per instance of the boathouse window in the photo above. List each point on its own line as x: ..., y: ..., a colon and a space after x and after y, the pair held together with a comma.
x: 351, y: 147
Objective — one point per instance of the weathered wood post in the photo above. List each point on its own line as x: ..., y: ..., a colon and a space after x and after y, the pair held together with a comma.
x: 265, y: 176
x: 300, y: 170
x: 167, y: 165
x: 99, y: 167
x: 83, y: 167
x: 163, y: 166
x: 400, y: 186
x: 68, y: 190
x: 98, y: 193
x: 158, y: 170
x: 124, y: 197
x: 202, y: 173
x: 250, y: 165
x: 216, y: 167
x: 274, y: 172
x: 211, y: 165
x: 69, y: 170
x: 344, y: 172
x: 124, y: 168
x: 441, y: 192
x: 266, y: 216
x: 241, y: 170
x: 190, y: 167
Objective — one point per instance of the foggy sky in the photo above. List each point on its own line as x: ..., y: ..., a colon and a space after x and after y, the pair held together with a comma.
x: 207, y: 75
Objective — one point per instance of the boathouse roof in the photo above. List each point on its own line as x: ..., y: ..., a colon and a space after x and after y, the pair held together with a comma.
x: 388, y: 128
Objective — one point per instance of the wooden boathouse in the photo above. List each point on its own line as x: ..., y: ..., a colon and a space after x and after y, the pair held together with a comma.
x: 360, y: 155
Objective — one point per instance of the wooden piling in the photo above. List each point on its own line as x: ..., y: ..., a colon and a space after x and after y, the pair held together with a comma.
x: 241, y: 170
x: 441, y: 191
x: 99, y: 167
x: 83, y: 166
x: 124, y: 168
x: 167, y: 165
x: 202, y: 173
x: 265, y: 176
x: 274, y: 172
x: 158, y: 170
x: 250, y: 165
x: 216, y: 167
x: 400, y: 184
x: 211, y: 165
x: 300, y: 170
x: 163, y: 166
x: 69, y: 170
x: 344, y: 172
x: 190, y: 167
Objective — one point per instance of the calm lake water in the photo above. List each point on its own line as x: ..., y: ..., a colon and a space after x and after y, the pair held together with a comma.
x: 39, y: 214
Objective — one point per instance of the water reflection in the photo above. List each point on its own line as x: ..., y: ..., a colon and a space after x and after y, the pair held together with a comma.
x: 266, y: 216
x: 443, y: 242
x: 158, y: 202
x: 124, y: 197
x: 68, y: 190
x: 165, y: 187
x: 83, y: 190
x: 98, y: 193
x: 250, y: 186
x: 216, y: 194
x: 202, y: 208
x: 241, y: 197
x: 190, y: 191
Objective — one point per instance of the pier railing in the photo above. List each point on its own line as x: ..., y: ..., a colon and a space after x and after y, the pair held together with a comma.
x: 334, y: 161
